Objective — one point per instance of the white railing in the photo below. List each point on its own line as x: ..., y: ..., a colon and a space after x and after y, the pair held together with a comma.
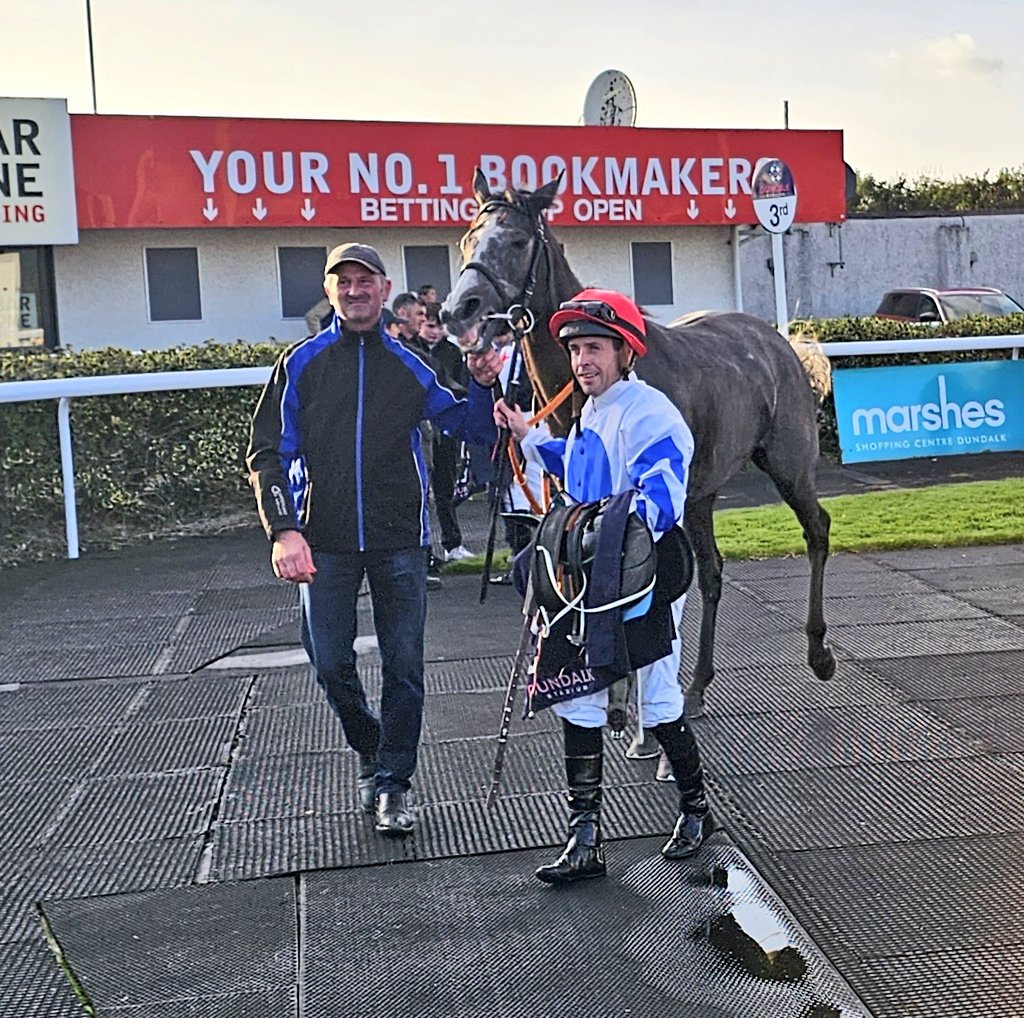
x: 65, y: 389
x: 944, y: 344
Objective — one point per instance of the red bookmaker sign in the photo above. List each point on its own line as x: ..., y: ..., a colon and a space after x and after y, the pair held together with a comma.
x: 133, y: 171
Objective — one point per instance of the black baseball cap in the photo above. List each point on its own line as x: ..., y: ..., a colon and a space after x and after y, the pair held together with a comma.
x: 363, y: 254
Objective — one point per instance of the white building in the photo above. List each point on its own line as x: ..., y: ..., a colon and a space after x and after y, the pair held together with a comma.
x: 184, y: 229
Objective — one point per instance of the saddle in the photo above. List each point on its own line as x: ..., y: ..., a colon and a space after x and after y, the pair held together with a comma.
x: 563, y: 552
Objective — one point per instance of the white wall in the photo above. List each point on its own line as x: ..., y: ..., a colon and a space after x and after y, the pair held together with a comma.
x: 883, y: 254
x: 101, y: 288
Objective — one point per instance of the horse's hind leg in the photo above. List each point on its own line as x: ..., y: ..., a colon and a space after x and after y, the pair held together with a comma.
x: 800, y: 495
x: 700, y: 527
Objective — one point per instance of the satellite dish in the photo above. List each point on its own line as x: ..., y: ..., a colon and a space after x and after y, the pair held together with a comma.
x: 610, y: 101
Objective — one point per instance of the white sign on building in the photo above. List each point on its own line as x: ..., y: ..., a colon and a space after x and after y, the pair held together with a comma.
x: 37, y: 179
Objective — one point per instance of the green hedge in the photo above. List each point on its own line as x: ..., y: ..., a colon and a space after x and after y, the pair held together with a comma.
x: 155, y: 463
x: 145, y: 463
x: 929, y: 195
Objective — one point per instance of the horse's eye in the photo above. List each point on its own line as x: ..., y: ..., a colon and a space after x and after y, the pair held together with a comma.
x: 519, y: 243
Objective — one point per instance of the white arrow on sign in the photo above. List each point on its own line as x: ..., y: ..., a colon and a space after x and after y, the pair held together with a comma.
x: 730, y: 208
x: 693, y: 209
x: 307, y: 211
x: 210, y: 210
x: 259, y: 210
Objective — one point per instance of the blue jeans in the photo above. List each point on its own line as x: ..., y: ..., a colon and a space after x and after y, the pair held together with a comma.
x: 398, y: 592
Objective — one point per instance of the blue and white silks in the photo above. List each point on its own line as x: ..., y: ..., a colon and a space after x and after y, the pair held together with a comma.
x: 631, y: 438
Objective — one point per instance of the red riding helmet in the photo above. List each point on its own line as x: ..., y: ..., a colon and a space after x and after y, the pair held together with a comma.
x: 600, y: 313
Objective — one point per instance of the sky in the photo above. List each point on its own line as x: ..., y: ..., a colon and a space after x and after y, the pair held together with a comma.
x: 919, y: 89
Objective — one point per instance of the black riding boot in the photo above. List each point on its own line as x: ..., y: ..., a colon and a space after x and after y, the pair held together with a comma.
x: 583, y: 855
x: 676, y: 738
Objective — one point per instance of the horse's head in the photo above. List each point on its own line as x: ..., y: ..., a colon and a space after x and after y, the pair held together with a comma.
x: 502, y: 253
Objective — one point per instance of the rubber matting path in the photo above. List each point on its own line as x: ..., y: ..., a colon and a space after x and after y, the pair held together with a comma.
x: 459, y: 938
x: 193, y: 839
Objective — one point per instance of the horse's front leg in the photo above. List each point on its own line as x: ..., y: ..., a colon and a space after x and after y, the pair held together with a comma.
x: 701, y: 530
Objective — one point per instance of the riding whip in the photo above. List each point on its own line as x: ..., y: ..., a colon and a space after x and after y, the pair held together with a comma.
x: 523, y: 653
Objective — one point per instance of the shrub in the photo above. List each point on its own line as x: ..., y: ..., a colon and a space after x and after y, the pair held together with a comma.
x: 855, y: 330
x: 157, y: 463
x: 145, y: 463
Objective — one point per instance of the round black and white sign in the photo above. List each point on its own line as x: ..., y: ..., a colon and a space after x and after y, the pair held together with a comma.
x: 774, y: 194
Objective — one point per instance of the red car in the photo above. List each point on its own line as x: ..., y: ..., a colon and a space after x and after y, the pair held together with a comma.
x: 924, y: 304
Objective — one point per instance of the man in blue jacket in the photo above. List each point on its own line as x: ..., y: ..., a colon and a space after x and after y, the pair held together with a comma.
x: 337, y: 465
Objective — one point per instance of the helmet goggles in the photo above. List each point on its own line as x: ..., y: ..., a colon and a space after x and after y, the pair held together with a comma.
x: 597, y: 312
x: 601, y: 311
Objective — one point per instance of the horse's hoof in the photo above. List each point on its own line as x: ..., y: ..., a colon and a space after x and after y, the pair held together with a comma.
x: 694, y: 706
x: 824, y: 664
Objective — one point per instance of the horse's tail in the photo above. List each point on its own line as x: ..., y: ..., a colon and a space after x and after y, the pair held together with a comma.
x: 815, y: 363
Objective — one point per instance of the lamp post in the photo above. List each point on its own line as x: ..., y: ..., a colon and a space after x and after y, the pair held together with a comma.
x: 92, y: 62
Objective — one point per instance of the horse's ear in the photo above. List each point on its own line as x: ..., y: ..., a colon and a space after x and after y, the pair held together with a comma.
x: 544, y: 196
x: 480, y: 188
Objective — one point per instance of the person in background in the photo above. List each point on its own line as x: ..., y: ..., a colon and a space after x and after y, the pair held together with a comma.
x: 334, y: 458
x: 447, y: 448
x: 318, y: 317
x: 427, y: 293
x: 392, y: 323
x: 411, y: 313
x: 518, y: 533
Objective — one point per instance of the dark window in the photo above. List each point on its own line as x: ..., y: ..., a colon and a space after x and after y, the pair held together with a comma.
x: 28, y: 309
x: 301, y: 271
x: 652, y: 273
x: 172, y: 282
x: 428, y: 263
x: 888, y: 305
x: 905, y: 305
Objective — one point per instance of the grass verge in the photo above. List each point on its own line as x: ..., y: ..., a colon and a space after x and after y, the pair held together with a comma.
x: 945, y: 515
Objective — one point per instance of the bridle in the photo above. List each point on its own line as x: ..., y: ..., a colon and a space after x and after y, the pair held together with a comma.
x: 518, y: 314
x: 521, y: 320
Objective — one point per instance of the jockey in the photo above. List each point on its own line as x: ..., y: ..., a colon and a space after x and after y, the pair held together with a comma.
x: 629, y: 437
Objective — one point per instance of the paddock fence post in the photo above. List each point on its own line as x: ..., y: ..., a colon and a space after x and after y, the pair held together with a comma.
x: 67, y: 471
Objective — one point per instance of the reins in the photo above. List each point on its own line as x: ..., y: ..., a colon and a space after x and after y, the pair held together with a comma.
x: 517, y: 470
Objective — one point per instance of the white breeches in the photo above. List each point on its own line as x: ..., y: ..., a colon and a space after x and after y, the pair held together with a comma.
x: 658, y: 686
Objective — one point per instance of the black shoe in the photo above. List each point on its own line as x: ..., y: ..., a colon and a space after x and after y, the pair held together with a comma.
x: 688, y: 835
x: 366, y: 783
x: 394, y: 817
x: 581, y: 859
x: 433, y: 582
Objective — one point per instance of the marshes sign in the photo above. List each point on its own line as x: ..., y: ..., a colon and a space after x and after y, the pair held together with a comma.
x: 929, y: 410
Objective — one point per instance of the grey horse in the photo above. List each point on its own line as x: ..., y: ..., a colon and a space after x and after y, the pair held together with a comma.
x: 746, y: 392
